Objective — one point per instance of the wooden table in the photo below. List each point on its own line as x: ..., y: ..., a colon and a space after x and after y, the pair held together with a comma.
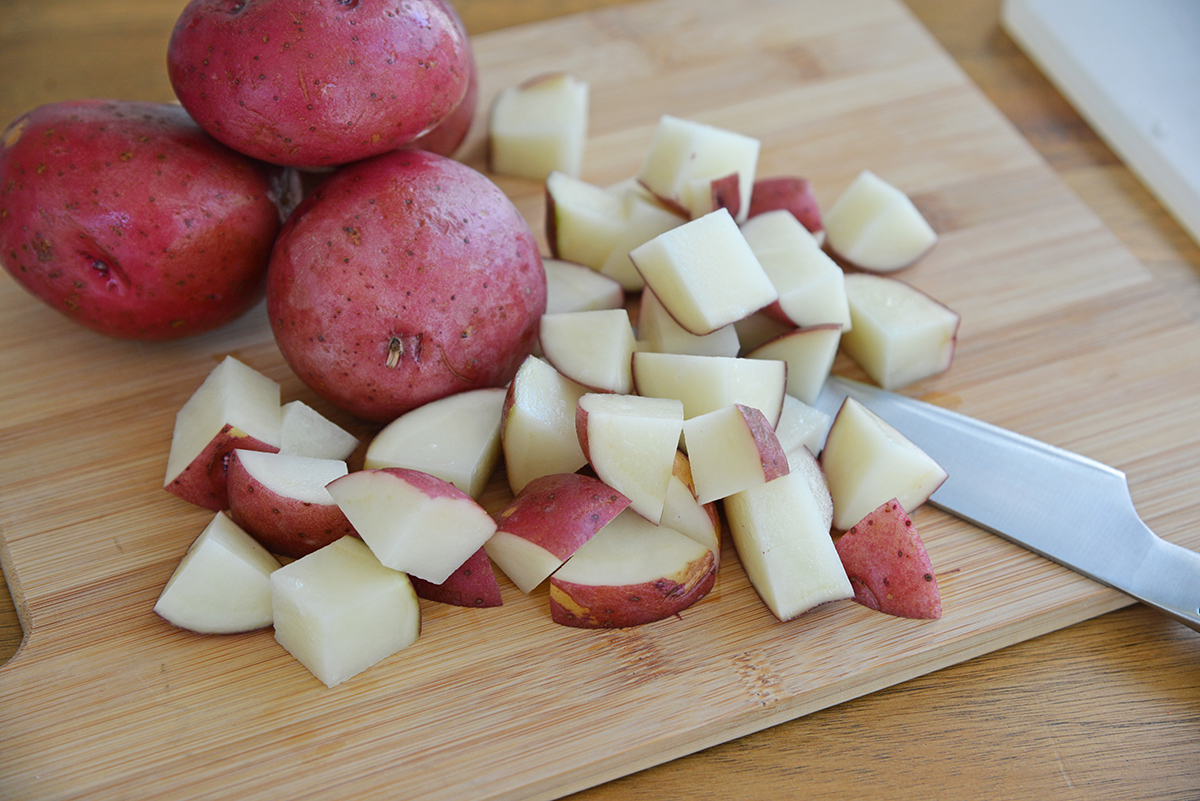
x: 1109, y: 708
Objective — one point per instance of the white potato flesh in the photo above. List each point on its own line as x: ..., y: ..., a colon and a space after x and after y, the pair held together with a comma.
x: 232, y: 394
x: 867, y: 462
x: 538, y: 436
x: 644, y: 219
x: 456, y: 438
x: 875, y: 226
x: 592, y: 348
x: 728, y: 453
x: 222, y: 583
x: 304, y: 431
x: 576, y: 287
x: 704, y: 273
x: 631, y: 444
x: 810, y: 284
x: 801, y: 426
x: 539, y: 126
x: 781, y: 539
x: 707, y: 383
x: 300, y: 477
x: 526, y: 563
x: 759, y: 328
x: 409, y: 529
x: 338, y: 611
x: 900, y: 335
x: 683, y: 513
x: 809, y: 354
x: 631, y: 550
x: 586, y: 220
x: 801, y: 460
x: 658, y: 331
x: 685, y: 156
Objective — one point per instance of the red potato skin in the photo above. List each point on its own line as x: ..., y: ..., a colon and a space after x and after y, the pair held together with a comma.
x: 776, y: 312
x: 317, y: 83
x: 132, y: 222
x: 430, y: 485
x: 283, y: 526
x: 581, y: 432
x: 560, y: 512
x: 472, y: 585
x: 449, y: 134
x: 792, y: 193
x: 446, y: 137
x: 727, y: 193
x: 888, y: 565
x: 403, y: 279
x: 774, y: 459
x: 204, y: 482
x: 593, y: 607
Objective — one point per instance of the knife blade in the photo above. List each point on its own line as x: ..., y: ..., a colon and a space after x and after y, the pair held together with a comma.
x: 1066, y: 507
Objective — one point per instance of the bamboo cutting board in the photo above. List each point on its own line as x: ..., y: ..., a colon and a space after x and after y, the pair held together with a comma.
x: 1065, y: 337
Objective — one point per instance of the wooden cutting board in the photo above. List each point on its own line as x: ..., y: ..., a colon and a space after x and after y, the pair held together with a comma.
x: 1065, y: 337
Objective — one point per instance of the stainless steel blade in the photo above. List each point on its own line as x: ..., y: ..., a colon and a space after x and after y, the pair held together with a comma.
x: 1066, y: 507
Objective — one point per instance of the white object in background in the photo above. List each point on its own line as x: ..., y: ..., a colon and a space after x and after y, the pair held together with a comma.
x: 1132, y: 70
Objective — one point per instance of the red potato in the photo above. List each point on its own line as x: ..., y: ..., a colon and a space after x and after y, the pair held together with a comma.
x: 726, y: 193
x: 313, y: 84
x: 888, y: 565
x: 684, y: 513
x: 732, y: 449
x: 446, y: 137
x: 403, y: 279
x: 630, y: 573
x: 547, y: 522
x: 473, y: 584
x: 236, y: 407
x: 791, y: 193
x: 280, y: 500
x: 131, y: 221
x: 204, y: 480
x: 413, y: 522
x: 222, y: 585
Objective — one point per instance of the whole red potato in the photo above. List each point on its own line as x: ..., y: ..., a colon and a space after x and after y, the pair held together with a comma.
x: 131, y: 221
x: 402, y: 279
x: 448, y: 135
x: 315, y: 83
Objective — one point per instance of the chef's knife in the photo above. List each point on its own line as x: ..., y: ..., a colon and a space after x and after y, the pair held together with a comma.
x: 1063, y: 506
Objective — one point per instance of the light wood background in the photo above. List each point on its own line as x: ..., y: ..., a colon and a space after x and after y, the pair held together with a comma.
x: 1106, y: 708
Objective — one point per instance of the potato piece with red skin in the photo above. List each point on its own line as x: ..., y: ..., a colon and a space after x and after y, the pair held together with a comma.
x: 285, y: 507
x: 403, y: 279
x: 547, y: 522
x: 131, y: 221
x: 472, y: 585
x: 684, y: 513
x: 204, y: 481
x: 888, y: 565
x: 316, y: 84
x: 789, y: 192
x: 631, y: 572
x: 412, y: 521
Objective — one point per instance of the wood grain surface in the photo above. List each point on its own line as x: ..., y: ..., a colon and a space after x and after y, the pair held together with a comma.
x: 1068, y: 336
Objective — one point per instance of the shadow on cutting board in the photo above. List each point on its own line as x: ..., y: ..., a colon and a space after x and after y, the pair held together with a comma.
x: 10, y: 624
